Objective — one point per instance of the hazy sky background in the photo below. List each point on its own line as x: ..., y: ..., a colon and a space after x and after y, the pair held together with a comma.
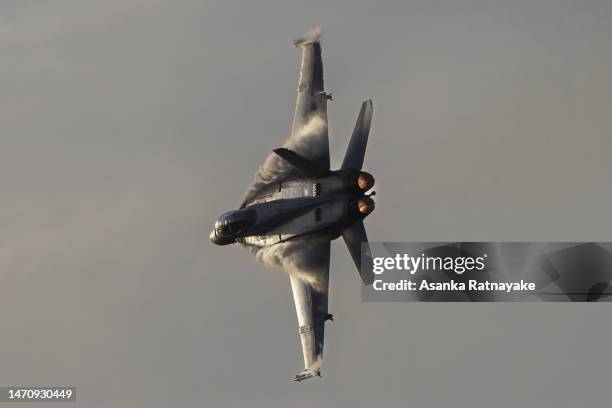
x: 126, y: 127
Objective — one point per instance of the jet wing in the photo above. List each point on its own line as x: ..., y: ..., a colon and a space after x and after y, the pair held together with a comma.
x: 310, y: 288
x: 310, y: 118
x: 308, y: 137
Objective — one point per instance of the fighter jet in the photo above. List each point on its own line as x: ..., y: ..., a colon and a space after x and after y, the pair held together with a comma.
x: 296, y: 206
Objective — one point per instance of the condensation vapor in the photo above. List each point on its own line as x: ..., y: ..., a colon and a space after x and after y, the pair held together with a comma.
x: 306, y: 142
x: 296, y: 257
x: 289, y: 255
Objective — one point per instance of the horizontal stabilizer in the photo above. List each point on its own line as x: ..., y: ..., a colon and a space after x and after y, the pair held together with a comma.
x: 355, y: 153
x: 305, y: 166
x: 354, y: 236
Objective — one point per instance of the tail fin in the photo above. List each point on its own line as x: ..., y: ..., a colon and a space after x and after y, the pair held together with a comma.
x: 354, y: 236
x: 353, y: 159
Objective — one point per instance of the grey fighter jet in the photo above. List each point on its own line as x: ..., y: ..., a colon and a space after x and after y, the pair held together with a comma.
x: 297, y: 205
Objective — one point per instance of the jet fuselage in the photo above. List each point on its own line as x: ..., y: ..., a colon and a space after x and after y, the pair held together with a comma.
x: 292, y: 208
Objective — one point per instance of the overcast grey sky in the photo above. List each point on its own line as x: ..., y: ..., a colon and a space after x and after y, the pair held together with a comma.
x: 128, y: 126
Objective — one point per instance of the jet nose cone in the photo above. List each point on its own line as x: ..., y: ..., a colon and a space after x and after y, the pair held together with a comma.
x: 220, y: 239
x: 213, y: 237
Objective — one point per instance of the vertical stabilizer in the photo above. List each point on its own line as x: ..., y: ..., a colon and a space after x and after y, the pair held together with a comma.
x: 355, y: 153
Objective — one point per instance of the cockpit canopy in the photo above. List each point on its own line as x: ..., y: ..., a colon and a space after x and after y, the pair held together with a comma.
x: 234, y: 222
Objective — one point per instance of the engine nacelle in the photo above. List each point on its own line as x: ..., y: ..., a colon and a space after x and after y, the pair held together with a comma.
x: 360, y: 181
x: 361, y: 207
